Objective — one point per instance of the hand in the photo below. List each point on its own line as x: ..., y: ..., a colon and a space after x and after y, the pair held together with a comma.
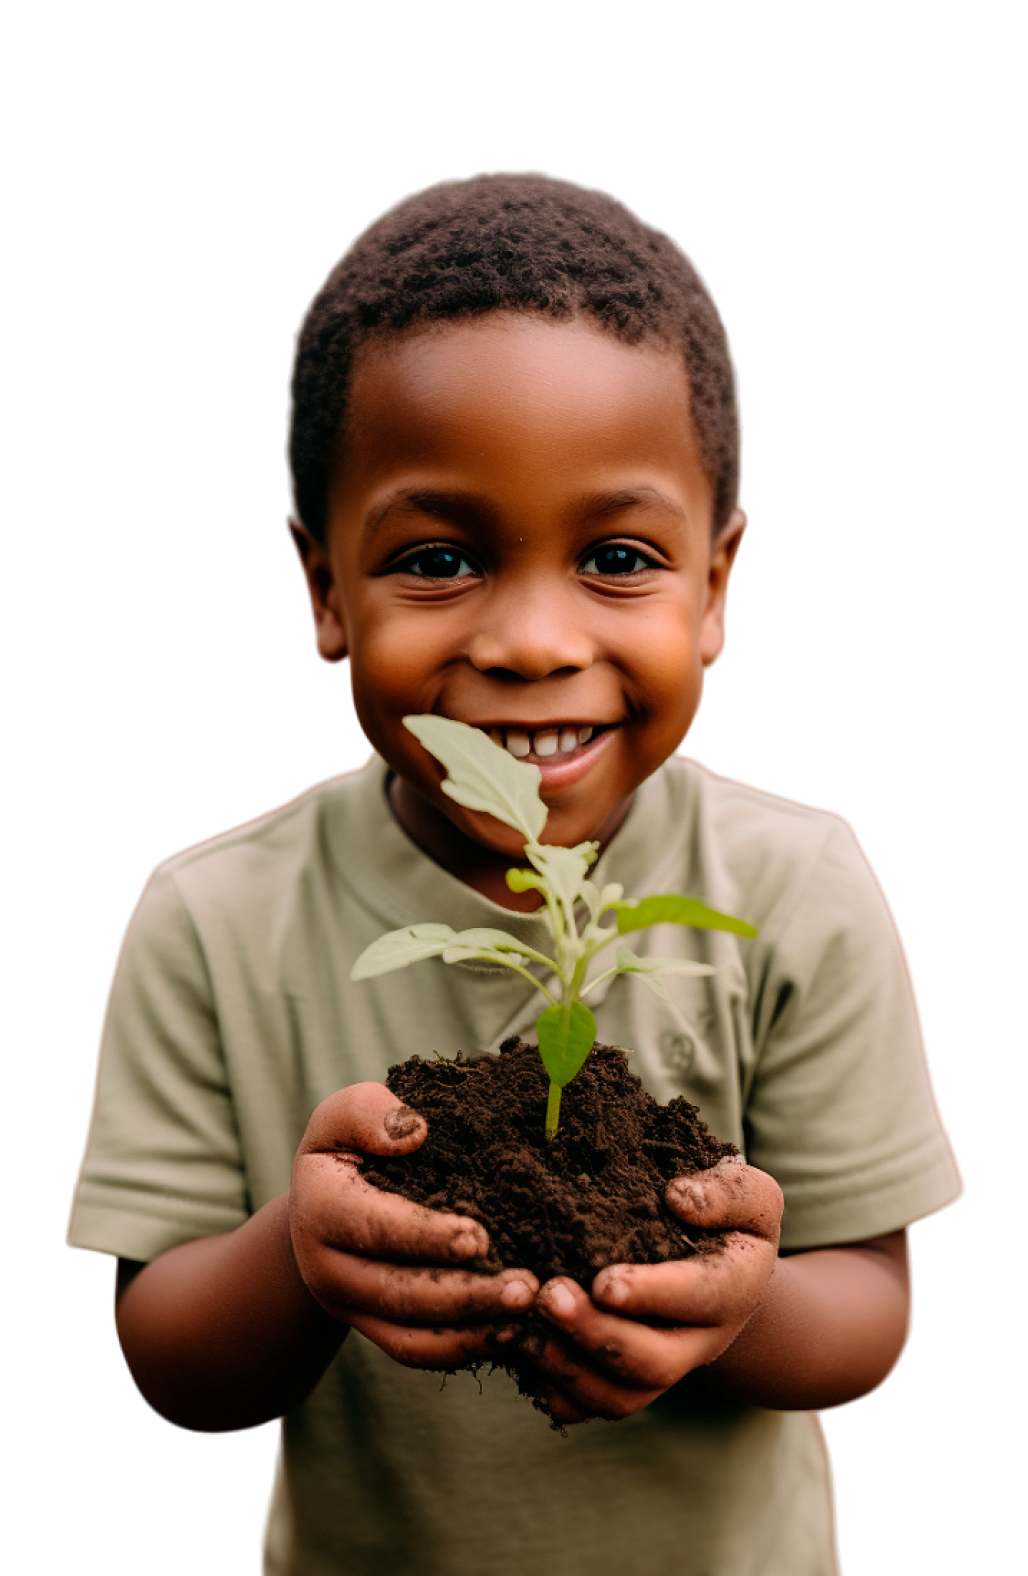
x: 644, y: 1327
x: 401, y: 1274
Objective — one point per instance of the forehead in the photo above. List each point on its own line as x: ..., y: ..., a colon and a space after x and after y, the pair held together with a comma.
x: 541, y: 383
x: 509, y: 399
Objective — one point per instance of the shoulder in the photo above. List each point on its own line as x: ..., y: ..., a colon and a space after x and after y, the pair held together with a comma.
x: 258, y: 865
x: 246, y: 883
x: 771, y: 853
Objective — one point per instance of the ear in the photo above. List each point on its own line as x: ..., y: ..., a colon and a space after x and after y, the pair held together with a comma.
x: 326, y: 604
x: 722, y: 556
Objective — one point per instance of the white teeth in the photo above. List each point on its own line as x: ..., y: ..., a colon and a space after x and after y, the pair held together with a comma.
x: 544, y: 743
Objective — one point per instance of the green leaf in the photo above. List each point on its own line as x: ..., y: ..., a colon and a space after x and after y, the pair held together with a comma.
x: 401, y: 947
x: 628, y: 963
x: 482, y: 775
x: 524, y: 881
x: 565, y: 1040
x: 670, y: 909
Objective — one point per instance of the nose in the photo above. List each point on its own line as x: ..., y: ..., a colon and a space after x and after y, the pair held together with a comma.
x: 531, y: 632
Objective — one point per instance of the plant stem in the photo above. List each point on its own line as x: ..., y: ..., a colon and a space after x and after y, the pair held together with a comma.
x: 553, y: 1110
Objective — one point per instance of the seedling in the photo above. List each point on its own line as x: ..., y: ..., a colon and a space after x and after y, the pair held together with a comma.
x: 482, y: 775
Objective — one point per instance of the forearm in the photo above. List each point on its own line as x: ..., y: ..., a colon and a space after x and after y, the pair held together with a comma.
x: 223, y: 1333
x: 829, y: 1330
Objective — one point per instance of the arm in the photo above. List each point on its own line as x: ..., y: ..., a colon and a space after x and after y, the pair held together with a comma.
x: 222, y: 1332
x: 832, y: 1326
x: 230, y: 1331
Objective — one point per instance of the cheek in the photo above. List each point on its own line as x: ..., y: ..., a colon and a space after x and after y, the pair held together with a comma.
x: 392, y: 661
x: 397, y: 667
x: 669, y: 670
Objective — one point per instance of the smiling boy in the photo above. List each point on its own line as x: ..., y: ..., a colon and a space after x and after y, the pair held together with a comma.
x: 514, y: 451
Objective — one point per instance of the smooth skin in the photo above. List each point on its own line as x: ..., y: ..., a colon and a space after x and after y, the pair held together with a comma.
x: 520, y: 537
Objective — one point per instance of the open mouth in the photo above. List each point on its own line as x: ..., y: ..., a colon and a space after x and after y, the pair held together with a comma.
x: 548, y: 745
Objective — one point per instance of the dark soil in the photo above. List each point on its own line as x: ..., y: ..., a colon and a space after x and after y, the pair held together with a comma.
x: 592, y: 1196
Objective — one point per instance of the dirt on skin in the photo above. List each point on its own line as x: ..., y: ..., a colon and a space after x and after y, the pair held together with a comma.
x: 592, y: 1196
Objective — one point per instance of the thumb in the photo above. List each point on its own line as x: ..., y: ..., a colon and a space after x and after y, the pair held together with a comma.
x: 731, y: 1196
x: 365, y: 1119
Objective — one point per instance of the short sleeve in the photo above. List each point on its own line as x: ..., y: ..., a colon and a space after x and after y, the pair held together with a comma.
x: 163, y: 1162
x: 840, y: 1110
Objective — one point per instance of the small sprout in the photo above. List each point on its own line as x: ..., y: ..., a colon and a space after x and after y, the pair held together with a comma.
x: 483, y: 776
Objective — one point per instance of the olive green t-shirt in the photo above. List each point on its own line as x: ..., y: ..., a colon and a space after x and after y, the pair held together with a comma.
x: 233, y: 1015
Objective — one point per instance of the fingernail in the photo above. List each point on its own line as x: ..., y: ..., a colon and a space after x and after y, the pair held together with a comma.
x: 516, y: 1294
x: 686, y: 1191
x: 401, y: 1121
x: 557, y: 1299
x: 612, y: 1290
x: 470, y: 1244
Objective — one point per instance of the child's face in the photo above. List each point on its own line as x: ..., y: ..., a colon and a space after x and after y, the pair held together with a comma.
x: 520, y: 538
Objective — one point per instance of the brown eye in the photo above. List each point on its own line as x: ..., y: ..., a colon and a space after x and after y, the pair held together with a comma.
x: 615, y: 559
x: 438, y: 563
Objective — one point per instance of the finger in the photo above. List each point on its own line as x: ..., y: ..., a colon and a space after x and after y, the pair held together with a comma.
x: 731, y: 1196
x: 439, y: 1347
x: 560, y: 1408
x: 331, y: 1205
x: 428, y: 1296
x: 364, y: 1119
x: 568, y: 1375
x: 709, y: 1289
x: 635, y: 1354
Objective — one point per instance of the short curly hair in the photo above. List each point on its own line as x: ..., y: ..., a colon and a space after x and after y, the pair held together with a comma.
x: 521, y: 243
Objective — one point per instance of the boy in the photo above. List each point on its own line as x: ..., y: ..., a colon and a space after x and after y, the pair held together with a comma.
x: 514, y: 451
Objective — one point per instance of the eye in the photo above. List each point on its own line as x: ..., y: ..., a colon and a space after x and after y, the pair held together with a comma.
x: 438, y: 563
x: 614, y: 558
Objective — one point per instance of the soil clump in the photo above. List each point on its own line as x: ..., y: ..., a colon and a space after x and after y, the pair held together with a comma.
x: 591, y: 1196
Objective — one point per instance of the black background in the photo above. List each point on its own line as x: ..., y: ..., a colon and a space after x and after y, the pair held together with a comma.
x: 193, y: 695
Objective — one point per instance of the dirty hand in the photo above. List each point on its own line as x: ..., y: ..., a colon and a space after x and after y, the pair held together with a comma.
x: 646, y: 1326
x: 401, y: 1274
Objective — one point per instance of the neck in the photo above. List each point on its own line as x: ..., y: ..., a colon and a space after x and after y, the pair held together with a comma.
x: 478, y: 866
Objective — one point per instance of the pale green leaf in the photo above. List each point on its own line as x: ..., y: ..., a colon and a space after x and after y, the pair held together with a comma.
x: 590, y: 894
x: 482, y: 775
x: 672, y: 909
x: 506, y: 956
x: 482, y: 936
x: 563, y: 869
x: 654, y: 983
x: 400, y: 947
x: 629, y: 963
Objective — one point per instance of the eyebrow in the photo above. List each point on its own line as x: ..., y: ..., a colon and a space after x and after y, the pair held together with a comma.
x: 438, y: 500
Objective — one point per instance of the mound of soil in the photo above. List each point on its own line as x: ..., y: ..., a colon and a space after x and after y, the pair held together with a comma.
x: 592, y: 1196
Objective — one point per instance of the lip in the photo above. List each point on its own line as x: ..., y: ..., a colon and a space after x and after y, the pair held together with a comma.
x: 538, y: 725
x: 557, y: 772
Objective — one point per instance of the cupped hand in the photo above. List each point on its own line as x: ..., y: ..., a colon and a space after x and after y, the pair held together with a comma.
x: 644, y: 1327
x: 405, y: 1276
